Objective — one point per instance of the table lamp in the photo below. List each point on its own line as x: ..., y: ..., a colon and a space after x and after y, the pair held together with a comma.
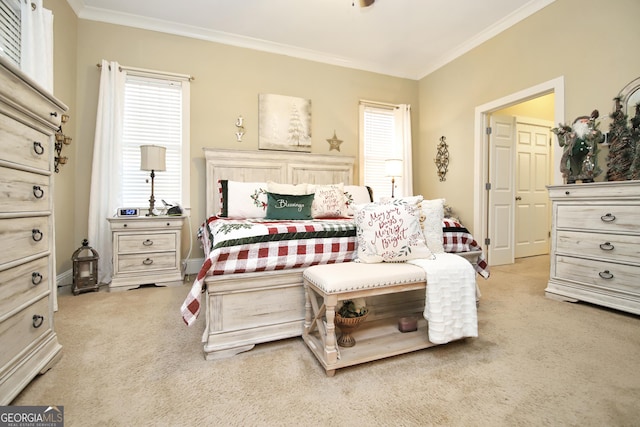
x: 393, y: 168
x: 152, y: 158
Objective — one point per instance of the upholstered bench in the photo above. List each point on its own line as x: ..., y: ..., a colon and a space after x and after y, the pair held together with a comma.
x: 393, y: 291
x: 378, y: 337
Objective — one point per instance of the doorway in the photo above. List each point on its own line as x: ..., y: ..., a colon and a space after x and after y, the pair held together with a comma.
x: 498, y: 220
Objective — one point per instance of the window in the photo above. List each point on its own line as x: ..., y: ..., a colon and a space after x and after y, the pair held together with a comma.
x: 10, y: 30
x: 155, y: 112
x: 378, y: 143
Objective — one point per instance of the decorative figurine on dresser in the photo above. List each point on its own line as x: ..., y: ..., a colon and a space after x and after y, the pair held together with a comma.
x: 29, y: 118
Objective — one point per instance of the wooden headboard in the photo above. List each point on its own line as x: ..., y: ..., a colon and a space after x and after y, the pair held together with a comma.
x: 279, y: 166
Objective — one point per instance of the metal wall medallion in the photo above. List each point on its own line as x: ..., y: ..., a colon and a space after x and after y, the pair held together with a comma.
x: 442, y: 158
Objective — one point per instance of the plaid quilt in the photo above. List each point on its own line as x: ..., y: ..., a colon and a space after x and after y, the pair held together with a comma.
x: 456, y: 238
x: 243, y: 246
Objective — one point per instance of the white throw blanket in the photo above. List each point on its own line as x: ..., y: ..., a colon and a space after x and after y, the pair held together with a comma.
x: 450, y: 306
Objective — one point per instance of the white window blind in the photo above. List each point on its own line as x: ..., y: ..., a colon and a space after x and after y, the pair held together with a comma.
x: 10, y: 30
x: 378, y: 145
x: 153, y: 114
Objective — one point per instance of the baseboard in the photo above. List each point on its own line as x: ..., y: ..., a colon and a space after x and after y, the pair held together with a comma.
x: 65, y: 280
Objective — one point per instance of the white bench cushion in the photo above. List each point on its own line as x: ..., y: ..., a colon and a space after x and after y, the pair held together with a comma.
x: 349, y: 276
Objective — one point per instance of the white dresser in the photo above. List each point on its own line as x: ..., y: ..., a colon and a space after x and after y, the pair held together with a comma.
x: 146, y: 250
x: 29, y: 118
x: 595, y: 249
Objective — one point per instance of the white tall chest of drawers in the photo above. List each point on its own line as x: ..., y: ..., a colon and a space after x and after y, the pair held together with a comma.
x: 595, y: 249
x: 29, y: 118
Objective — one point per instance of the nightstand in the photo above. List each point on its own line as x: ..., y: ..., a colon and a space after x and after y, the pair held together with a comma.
x: 146, y: 250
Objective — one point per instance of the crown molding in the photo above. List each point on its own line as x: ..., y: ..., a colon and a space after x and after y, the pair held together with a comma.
x: 152, y: 24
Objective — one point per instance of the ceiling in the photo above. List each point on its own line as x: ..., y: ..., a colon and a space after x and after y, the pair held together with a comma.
x: 402, y: 38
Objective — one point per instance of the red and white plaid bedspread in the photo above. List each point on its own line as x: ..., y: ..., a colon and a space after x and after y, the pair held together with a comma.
x: 237, y: 246
x: 241, y: 246
x: 456, y: 238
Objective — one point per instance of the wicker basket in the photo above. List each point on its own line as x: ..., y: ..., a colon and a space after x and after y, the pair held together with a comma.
x: 347, y: 325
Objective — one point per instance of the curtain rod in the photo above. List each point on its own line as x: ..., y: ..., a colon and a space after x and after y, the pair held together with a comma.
x: 379, y: 104
x: 151, y: 72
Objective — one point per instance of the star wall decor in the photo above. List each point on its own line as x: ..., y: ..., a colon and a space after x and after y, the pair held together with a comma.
x: 334, y: 143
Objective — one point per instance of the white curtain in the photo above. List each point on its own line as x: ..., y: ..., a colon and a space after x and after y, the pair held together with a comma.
x: 403, y: 136
x: 36, y: 40
x: 104, y: 197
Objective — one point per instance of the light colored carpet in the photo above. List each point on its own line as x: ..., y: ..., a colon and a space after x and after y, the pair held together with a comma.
x: 130, y: 361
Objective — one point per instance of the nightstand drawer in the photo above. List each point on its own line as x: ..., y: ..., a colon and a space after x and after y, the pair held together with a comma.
x: 22, y: 237
x: 135, y: 263
x: 145, y: 223
x: 22, y: 329
x: 23, y: 191
x: 605, y: 275
x: 616, y: 247
x: 23, y: 283
x: 130, y: 243
x: 605, y: 218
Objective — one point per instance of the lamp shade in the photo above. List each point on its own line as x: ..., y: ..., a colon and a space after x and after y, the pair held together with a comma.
x: 152, y: 158
x: 393, y: 167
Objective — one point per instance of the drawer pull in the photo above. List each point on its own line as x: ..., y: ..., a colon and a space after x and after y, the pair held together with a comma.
x: 148, y: 242
x: 147, y: 261
x: 605, y: 275
x: 38, y: 148
x: 608, y: 218
x: 37, y: 320
x: 54, y: 114
x: 606, y: 246
x: 36, y: 278
x: 567, y: 192
x: 38, y: 192
x: 36, y: 235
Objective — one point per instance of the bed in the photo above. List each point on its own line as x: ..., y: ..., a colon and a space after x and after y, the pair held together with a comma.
x: 250, y: 288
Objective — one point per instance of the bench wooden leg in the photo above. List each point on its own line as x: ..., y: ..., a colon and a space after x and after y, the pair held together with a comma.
x: 330, y: 350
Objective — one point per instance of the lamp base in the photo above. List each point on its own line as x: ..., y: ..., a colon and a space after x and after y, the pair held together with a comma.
x: 152, y: 200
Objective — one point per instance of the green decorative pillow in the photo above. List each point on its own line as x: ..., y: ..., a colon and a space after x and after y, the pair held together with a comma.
x: 288, y: 206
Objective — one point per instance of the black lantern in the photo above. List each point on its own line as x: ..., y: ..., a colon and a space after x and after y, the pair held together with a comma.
x: 85, y: 269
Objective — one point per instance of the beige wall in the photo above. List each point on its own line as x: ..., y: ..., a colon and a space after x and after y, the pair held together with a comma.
x: 227, y: 83
x: 591, y: 43
x: 537, y: 108
x: 64, y: 87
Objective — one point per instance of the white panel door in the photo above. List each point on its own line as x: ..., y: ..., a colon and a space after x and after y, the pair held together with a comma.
x: 501, y: 194
x: 532, y: 200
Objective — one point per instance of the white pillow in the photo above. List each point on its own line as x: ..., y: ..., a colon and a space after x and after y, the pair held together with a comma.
x: 356, y: 195
x: 389, y: 232
x: 243, y: 199
x: 291, y: 189
x: 412, y: 200
x: 329, y: 201
x: 431, y: 219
